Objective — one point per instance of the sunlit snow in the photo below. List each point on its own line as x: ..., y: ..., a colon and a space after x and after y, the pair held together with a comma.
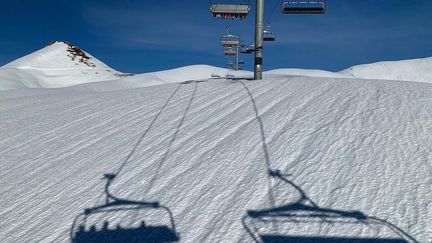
x: 179, y: 155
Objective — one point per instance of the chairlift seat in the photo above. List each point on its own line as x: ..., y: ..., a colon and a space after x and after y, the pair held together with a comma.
x: 230, y: 11
x: 269, y: 36
x: 230, y: 41
x: 303, y: 7
x: 223, y: 8
x: 247, y: 49
x: 244, y: 50
x: 230, y: 51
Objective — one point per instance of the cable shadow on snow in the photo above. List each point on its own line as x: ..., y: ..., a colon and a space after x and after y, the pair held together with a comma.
x: 303, y: 221
x: 173, y: 139
x: 134, y: 221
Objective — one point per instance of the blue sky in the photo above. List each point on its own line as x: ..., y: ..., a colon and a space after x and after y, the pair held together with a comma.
x: 141, y: 36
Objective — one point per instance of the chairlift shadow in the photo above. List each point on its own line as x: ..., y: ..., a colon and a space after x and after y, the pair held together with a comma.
x: 301, y: 220
x: 93, y: 225
x: 134, y: 221
x: 282, y: 223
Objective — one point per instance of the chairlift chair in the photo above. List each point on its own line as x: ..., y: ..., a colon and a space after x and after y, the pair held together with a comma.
x: 229, y: 40
x: 303, y: 7
x: 230, y: 9
x: 230, y: 51
x: 247, y: 49
x: 268, y: 35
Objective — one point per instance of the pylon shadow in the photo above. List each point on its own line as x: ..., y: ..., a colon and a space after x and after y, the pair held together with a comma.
x: 93, y: 225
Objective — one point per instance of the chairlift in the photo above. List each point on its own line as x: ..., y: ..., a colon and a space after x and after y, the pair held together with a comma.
x: 230, y: 9
x: 303, y: 7
x: 229, y: 40
x: 230, y: 51
x: 247, y: 49
x: 268, y: 35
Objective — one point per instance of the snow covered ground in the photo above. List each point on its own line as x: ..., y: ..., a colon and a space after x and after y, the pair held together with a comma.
x: 290, y: 158
x: 419, y: 70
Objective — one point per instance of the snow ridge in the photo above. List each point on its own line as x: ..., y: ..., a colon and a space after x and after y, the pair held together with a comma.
x: 418, y: 70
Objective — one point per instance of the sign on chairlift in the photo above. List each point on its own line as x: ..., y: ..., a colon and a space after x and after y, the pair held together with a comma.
x: 303, y: 7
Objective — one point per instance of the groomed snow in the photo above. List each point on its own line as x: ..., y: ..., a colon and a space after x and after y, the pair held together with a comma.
x: 354, y: 161
x: 419, y: 70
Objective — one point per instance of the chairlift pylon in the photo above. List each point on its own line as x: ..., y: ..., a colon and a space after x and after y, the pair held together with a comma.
x: 230, y: 9
x: 303, y: 7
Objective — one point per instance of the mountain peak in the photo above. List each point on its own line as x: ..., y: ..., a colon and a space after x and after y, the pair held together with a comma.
x: 58, y: 55
x: 59, y: 64
x: 75, y: 53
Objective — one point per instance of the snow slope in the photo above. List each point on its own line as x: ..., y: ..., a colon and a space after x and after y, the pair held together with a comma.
x: 306, y: 72
x: 285, y: 158
x: 419, y: 70
x: 60, y: 64
x: 177, y: 75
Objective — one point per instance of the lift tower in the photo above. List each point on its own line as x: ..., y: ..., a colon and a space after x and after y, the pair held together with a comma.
x: 259, y: 30
x: 241, y: 10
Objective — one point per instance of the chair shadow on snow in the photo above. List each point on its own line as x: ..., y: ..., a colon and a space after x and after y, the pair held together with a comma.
x: 124, y: 220
x: 93, y: 225
x: 303, y: 221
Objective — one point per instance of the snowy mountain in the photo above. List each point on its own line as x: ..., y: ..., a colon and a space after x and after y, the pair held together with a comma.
x: 301, y: 156
x: 60, y: 64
